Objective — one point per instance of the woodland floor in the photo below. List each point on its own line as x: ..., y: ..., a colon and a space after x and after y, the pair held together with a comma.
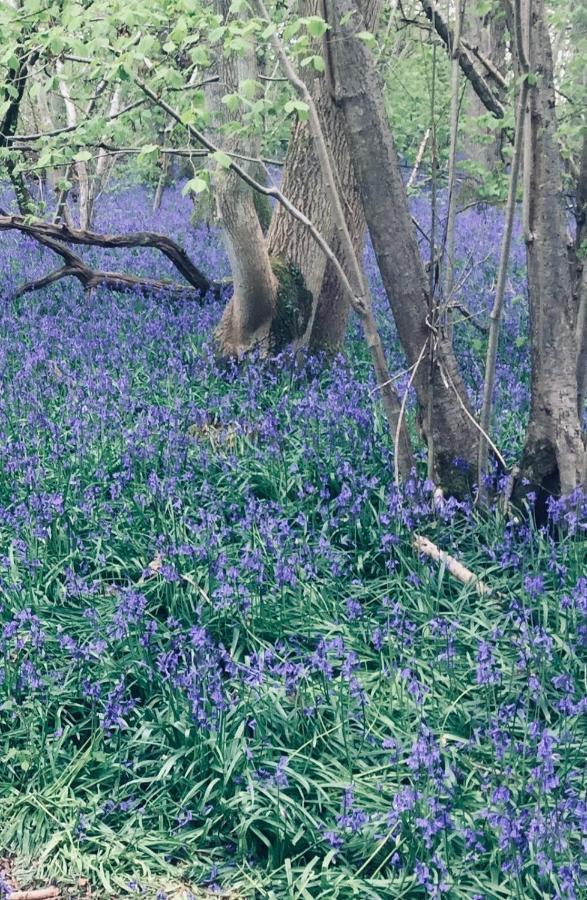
x: 224, y: 668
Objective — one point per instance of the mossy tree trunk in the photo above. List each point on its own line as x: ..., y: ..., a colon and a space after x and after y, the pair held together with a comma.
x: 303, y: 183
x: 310, y: 306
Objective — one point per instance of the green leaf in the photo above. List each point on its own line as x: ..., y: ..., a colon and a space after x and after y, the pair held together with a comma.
x: 291, y: 30
x: 367, y: 38
x: 82, y: 156
x: 56, y: 44
x: 216, y: 34
x: 298, y: 106
x: 231, y: 101
x: 199, y: 56
x: 195, y: 185
x: 248, y: 88
x: 316, y: 26
x: 315, y: 61
x: 222, y: 158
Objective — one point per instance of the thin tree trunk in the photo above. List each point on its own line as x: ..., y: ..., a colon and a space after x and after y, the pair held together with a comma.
x: 161, y: 182
x: 105, y: 162
x: 455, y: 434
x: 248, y: 317
x: 554, y: 458
x: 581, y: 282
x: 47, y: 124
x: 497, y: 309
x: 80, y: 168
x: 452, y: 160
x: 418, y: 162
x: 16, y: 82
x: 485, y: 35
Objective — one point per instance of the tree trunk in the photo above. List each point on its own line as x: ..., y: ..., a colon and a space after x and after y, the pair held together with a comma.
x: 580, y: 252
x: 554, y: 458
x: 441, y: 392
x: 104, y: 163
x: 248, y: 317
x: 80, y: 168
x: 304, y: 185
x: 164, y: 163
x: 15, y: 85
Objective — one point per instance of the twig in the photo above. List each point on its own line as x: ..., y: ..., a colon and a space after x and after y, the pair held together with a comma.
x: 457, y: 569
x: 419, y: 158
x: 47, y: 893
x: 446, y: 375
x: 468, y: 316
x: 403, y: 408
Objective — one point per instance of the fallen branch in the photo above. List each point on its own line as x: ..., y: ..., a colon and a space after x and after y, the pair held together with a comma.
x: 457, y: 569
x: 114, y: 281
x: 40, y: 229
x: 47, y: 893
x: 55, y: 236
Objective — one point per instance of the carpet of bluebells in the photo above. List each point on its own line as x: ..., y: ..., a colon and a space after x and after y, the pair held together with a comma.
x: 224, y: 668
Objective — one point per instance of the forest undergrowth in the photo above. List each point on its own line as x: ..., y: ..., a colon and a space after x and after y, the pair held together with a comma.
x: 224, y: 667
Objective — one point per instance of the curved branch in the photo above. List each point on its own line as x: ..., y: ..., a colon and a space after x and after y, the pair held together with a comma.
x: 52, y: 235
x: 114, y: 281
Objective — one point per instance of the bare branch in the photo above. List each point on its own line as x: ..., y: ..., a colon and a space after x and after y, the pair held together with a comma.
x: 487, y: 63
x: 478, y: 83
x: 57, y: 234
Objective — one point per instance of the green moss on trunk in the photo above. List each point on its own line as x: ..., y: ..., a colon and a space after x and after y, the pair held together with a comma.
x: 293, y: 305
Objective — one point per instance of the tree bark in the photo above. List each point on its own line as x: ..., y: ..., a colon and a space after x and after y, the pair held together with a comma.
x: 304, y: 185
x: 105, y: 162
x: 248, y: 318
x: 486, y: 36
x: 497, y: 309
x: 442, y: 398
x: 554, y: 457
x: 16, y: 83
x: 80, y: 168
x: 580, y: 277
x: 351, y: 276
